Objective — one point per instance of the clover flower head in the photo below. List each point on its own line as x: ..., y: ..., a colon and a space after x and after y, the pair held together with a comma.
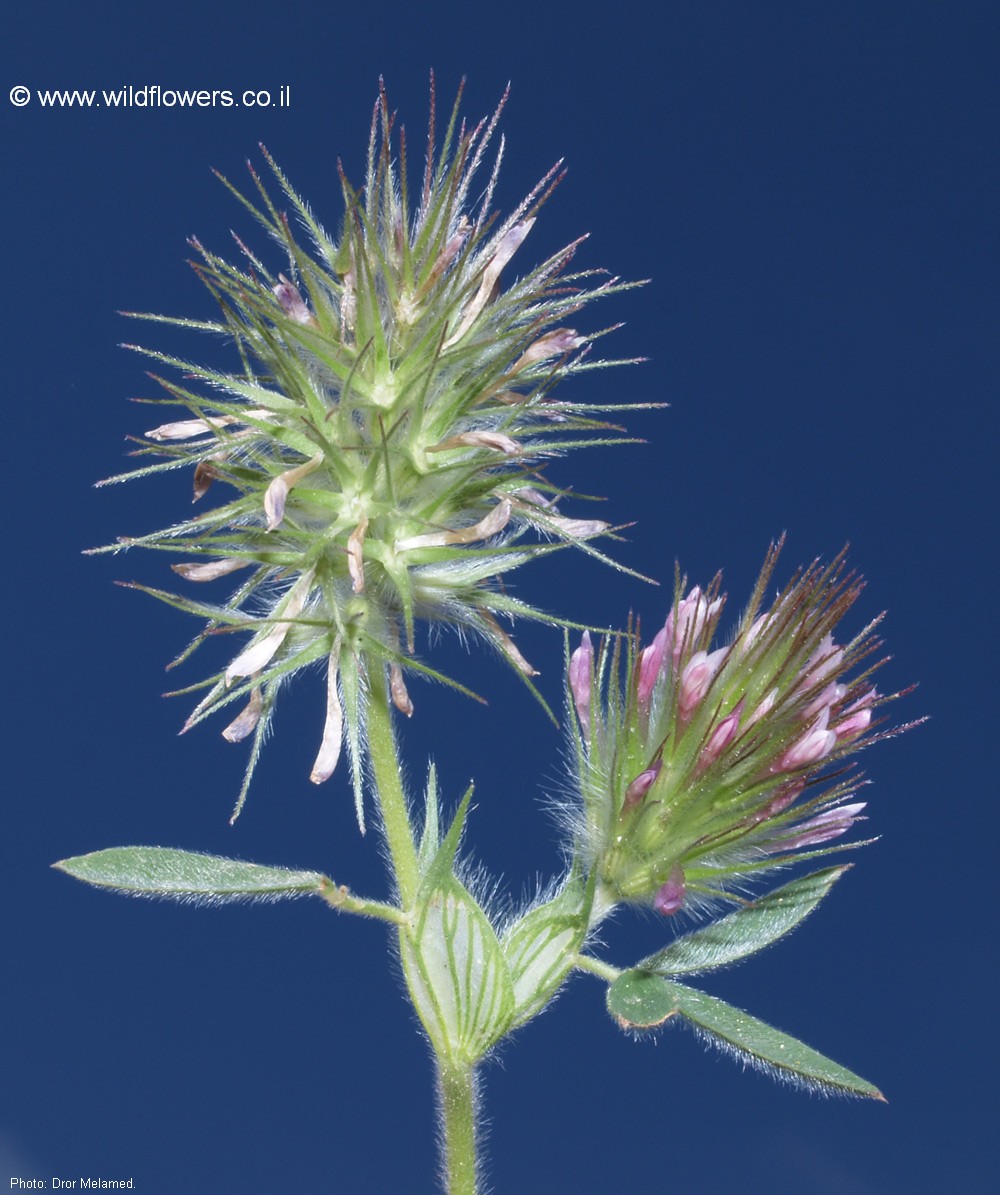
x: 378, y: 452
x: 702, y: 766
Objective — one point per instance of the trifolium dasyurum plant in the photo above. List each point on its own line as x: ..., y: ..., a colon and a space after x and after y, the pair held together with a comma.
x: 373, y: 462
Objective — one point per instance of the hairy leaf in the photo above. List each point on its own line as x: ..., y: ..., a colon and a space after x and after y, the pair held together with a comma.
x: 187, y: 876
x: 747, y: 930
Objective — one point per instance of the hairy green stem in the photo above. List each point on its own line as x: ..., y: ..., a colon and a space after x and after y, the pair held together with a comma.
x: 389, y: 789
x: 584, y: 962
x: 340, y: 898
x: 456, y: 1079
x: 457, y: 1092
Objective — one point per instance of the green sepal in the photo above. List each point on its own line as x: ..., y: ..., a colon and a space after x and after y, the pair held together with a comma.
x: 640, y: 1000
x: 439, y: 869
x: 540, y: 947
x: 747, y: 930
x: 430, y: 837
x: 188, y: 876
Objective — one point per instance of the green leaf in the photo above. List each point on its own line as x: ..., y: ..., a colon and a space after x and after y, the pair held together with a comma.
x: 767, y: 1048
x: 747, y: 930
x: 639, y: 1000
x: 188, y: 876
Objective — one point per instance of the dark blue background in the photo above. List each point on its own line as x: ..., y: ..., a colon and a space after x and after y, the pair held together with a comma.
x: 813, y: 190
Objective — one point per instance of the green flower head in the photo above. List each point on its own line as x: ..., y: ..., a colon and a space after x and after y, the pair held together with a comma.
x: 378, y: 451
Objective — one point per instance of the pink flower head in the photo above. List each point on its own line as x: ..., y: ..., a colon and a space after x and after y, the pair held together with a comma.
x: 741, y: 765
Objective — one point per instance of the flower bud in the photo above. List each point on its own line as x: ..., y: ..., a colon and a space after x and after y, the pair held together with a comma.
x: 292, y: 302
x: 814, y: 745
x: 641, y: 785
x: 581, y: 668
x: 670, y: 896
x: 720, y: 738
x: 831, y: 823
x: 857, y: 719
x: 696, y: 678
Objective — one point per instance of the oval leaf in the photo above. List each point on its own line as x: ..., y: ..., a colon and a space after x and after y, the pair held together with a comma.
x: 747, y: 930
x: 639, y: 1000
x: 186, y: 875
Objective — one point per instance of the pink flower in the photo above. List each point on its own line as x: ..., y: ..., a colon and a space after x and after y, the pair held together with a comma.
x: 581, y: 667
x: 825, y: 699
x: 556, y: 343
x: 763, y: 708
x: 650, y: 663
x: 831, y: 823
x: 693, y: 614
x: 720, y: 738
x: 817, y: 742
x: 287, y: 294
x: 825, y: 661
x: 858, y: 717
x: 696, y: 678
x: 683, y: 628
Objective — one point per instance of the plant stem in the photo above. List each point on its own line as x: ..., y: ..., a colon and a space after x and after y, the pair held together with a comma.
x: 389, y: 789
x: 584, y: 962
x: 457, y: 1091
x: 456, y: 1079
x: 341, y: 899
